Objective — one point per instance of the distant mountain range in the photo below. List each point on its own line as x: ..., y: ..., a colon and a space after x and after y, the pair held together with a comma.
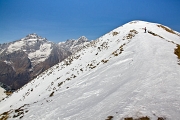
x: 24, y: 59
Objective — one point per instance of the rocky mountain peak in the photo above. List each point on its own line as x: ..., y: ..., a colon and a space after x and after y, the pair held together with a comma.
x: 82, y: 39
x: 33, y: 36
x: 23, y: 59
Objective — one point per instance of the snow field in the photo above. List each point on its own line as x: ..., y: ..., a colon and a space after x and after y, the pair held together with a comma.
x: 134, y: 77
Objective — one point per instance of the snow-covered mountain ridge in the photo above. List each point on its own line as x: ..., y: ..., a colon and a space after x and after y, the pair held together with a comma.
x: 38, y: 48
x: 124, y: 74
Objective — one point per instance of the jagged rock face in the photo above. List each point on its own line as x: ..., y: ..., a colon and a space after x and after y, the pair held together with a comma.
x: 24, y: 59
x: 6, y: 73
x: 15, y: 69
x: 5, y: 87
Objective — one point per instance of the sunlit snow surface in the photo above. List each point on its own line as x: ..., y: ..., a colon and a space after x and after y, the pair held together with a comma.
x: 142, y: 79
x: 2, y: 94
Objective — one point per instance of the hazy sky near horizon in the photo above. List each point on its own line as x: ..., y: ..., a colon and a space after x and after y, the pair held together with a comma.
x: 59, y: 20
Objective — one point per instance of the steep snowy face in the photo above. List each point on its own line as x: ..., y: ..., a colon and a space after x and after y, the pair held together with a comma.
x: 125, y: 74
x: 41, y: 54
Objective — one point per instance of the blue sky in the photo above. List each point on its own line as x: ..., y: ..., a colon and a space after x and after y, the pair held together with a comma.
x: 59, y: 20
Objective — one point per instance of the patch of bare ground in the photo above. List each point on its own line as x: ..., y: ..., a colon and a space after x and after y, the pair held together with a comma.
x: 115, y: 33
x: 150, y: 32
x: 109, y: 118
x: 167, y: 29
x: 17, y: 113
x: 5, y: 115
x: 177, y: 51
x: 141, y: 118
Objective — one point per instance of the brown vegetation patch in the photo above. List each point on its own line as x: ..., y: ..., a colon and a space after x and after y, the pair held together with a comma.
x: 128, y: 118
x: 109, y: 118
x: 134, y: 31
x: 167, y: 29
x: 8, y: 93
x: 51, y: 94
x: 59, y: 84
x: 131, y: 34
x: 177, y: 51
x: 115, y: 53
x: 161, y: 118
x: 115, y: 33
x: 68, y: 79
x: 5, y: 115
x: 118, y: 51
x: 91, y: 66
x: 141, y: 118
x: 17, y: 113
x: 104, y: 61
x: 150, y: 32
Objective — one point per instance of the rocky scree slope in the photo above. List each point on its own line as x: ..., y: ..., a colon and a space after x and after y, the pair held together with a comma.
x: 124, y: 75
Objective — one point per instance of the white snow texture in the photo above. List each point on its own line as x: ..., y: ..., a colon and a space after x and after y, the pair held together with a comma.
x: 125, y: 73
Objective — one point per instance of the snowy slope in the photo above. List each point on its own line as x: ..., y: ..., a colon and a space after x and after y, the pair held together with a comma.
x: 2, y: 94
x: 125, y: 73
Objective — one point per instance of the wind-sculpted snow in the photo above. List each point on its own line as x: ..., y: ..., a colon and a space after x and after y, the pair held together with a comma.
x: 125, y: 74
